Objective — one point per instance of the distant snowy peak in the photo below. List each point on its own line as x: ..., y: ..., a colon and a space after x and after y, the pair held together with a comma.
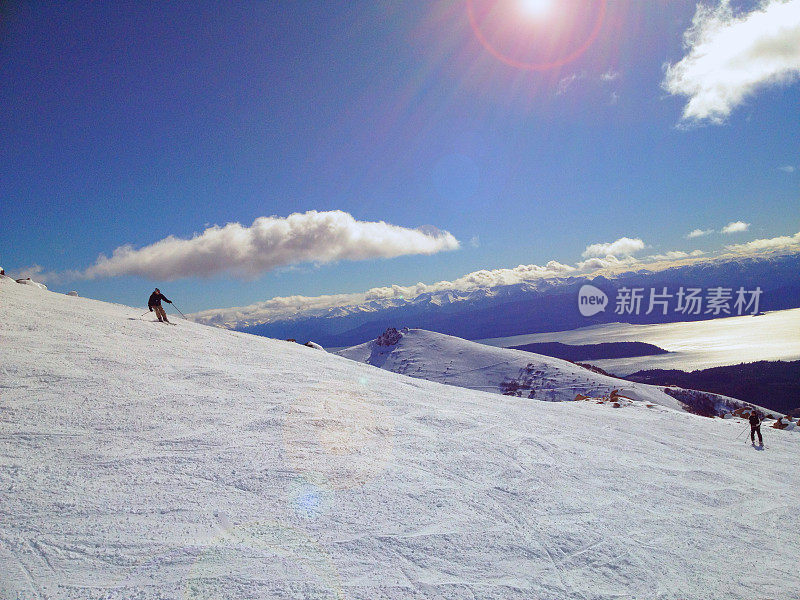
x: 455, y: 361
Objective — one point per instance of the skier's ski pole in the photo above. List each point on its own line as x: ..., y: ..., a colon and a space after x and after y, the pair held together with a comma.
x: 143, y: 314
x: 179, y: 310
x: 741, y: 432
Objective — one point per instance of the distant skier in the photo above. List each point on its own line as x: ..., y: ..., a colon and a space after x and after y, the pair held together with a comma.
x: 755, y: 428
x: 154, y: 303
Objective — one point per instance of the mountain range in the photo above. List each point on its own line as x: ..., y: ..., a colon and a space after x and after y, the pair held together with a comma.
x: 542, y: 305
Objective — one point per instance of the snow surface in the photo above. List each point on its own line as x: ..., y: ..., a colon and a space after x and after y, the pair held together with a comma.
x: 144, y: 461
x: 691, y: 344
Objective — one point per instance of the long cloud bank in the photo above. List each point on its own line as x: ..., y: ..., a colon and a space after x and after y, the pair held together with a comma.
x: 292, y: 306
x: 286, y: 306
x: 269, y: 243
x: 730, y: 57
x: 784, y: 242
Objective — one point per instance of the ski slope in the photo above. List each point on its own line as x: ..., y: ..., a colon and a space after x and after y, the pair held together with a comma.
x: 143, y: 461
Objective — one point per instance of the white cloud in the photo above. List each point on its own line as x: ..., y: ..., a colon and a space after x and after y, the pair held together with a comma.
x: 784, y: 242
x: 675, y: 255
x: 269, y: 243
x: 276, y: 308
x: 787, y: 169
x: 735, y: 227
x: 695, y: 233
x: 610, y: 75
x: 599, y: 263
x: 35, y: 272
x: 565, y: 83
x: 622, y: 247
x: 484, y: 278
x: 730, y: 57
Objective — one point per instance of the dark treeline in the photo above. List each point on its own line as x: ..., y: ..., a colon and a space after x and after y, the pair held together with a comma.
x: 575, y: 352
x: 771, y: 384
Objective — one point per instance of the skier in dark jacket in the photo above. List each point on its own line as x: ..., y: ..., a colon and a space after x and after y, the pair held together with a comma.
x: 154, y: 303
x: 755, y: 428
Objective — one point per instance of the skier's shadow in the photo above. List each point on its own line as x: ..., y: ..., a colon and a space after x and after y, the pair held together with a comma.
x: 759, y: 448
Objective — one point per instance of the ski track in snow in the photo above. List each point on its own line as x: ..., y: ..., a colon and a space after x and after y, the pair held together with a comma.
x: 147, y: 462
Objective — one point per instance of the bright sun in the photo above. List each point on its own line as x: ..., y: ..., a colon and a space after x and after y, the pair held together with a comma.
x: 536, y: 35
x: 535, y: 8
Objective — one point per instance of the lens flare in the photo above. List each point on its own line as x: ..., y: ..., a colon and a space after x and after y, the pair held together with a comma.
x: 535, y: 8
x: 338, y: 435
x: 552, y: 35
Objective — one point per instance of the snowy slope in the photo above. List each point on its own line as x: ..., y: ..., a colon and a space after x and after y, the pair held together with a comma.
x: 139, y: 460
x: 454, y: 361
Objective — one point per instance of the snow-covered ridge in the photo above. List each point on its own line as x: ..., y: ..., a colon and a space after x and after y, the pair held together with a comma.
x: 141, y: 460
x: 487, y: 287
x: 454, y: 361
x: 353, y: 305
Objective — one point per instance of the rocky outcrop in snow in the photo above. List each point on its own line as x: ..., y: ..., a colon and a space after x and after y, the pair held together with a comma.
x: 31, y: 282
x: 390, y: 337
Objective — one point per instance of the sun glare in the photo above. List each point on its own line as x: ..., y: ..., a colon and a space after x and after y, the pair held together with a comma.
x: 536, y: 35
x: 535, y: 8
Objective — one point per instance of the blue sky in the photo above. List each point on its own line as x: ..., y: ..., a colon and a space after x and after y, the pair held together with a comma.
x: 125, y: 125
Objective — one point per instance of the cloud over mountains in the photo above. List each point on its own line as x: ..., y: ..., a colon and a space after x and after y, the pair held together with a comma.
x: 622, y: 247
x: 269, y: 243
x: 735, y: 227
x: 606, y: 264
x: 784, y: 242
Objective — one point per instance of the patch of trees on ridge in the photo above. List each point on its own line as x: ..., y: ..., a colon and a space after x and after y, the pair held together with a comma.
x: 771, y: 384
x: 577, y: 352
